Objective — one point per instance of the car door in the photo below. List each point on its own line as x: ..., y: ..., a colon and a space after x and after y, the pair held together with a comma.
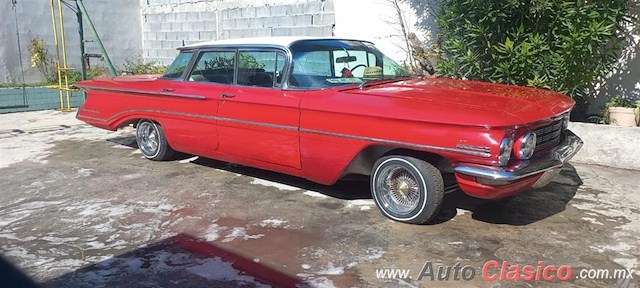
x: 199, y: 90
x: 256, y: 118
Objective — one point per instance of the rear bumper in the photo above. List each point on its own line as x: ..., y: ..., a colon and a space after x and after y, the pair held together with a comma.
x: 492, y: 182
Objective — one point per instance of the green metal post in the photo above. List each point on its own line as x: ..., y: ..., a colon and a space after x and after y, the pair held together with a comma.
x: 82, y: 50
x: 83, y: 64
x: 86, y: 17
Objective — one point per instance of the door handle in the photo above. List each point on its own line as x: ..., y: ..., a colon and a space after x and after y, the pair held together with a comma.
x: 225, y: 95
x: 168, y: 89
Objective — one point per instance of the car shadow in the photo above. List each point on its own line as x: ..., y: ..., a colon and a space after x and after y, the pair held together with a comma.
x: 179, y: 261
x: 522, y: 209
x: 346, y: 189
x: 129, y: 141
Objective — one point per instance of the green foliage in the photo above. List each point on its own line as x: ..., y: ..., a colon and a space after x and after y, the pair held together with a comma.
x: 94, y: 72
x: 138, y: 66
x: 563, y: 45
x: 74, y: 76
x: 41, y: 59
x: 247, y: 60
x: 219, y: 62
x: 20, y: 85
x: 621, y: 102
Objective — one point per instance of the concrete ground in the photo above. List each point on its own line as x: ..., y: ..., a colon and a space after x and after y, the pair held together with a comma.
x: 81, y: 207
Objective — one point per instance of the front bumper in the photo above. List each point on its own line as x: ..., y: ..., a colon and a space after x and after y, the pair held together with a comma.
x: 537, y: 172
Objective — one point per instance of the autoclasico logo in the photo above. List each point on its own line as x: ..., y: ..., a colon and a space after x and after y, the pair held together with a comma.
x: 504, y: 271
x: 494, y: 270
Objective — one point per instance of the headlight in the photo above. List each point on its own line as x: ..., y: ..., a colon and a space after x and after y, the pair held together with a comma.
x: 505, y: 151
x: 525, y: 146
x: 565, y: 120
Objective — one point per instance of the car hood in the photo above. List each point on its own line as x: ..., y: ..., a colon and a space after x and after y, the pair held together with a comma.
x: 501, y: 105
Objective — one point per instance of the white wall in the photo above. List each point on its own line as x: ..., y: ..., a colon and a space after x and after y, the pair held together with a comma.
x: 117, y: 22
x: 625, y: 79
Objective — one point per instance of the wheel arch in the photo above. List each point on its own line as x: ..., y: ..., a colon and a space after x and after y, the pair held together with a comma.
x: 134, y: 120
x: 363, y: 162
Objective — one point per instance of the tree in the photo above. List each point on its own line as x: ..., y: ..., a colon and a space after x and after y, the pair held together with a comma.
x: 41, y: 59
x: 563, y: 45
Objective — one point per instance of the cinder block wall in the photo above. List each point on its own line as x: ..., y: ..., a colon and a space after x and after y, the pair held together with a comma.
x: 169, y: 24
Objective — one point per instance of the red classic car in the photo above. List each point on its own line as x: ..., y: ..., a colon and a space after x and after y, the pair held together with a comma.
x: 324, y: 108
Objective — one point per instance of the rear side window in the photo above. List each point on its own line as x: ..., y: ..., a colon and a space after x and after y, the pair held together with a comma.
x: 215, y: 67
x: 260, y: 68
x: 178, y: 66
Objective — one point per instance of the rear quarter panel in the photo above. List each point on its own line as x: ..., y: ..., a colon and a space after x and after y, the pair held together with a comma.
x: 188, y: 123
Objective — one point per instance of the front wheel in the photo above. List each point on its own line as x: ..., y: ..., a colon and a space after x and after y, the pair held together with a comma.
x: 407, y: 189
x: 152, y: 141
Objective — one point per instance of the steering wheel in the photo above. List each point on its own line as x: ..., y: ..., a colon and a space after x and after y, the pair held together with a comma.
x: 358, y: 66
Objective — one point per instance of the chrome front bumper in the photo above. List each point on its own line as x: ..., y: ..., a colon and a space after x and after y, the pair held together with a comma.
x: 551, y: 163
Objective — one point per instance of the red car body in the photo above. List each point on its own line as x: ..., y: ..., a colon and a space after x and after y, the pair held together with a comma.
x: 325, y: 134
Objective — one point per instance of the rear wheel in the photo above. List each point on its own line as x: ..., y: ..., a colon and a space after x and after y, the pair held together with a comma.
x: 152, y: 141
x: 407, y: 189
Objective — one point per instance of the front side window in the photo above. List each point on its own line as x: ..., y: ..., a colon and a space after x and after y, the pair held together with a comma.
x: 176, y: 69
x: 215, y: 67
x: 329, y: 63
x: 260, y: 68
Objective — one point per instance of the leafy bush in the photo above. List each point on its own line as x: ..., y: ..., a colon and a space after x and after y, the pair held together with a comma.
x: 41, y: 59
x: 74, y: 76
x: 138, y: 66
x: 93, y: 72
x: 97, y: 71
x: 563, y: 45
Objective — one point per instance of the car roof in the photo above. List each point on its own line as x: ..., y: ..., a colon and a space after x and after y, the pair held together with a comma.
x: 281, y: 41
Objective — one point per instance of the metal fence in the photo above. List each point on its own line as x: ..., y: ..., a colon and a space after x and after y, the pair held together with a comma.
x: 33, y: 98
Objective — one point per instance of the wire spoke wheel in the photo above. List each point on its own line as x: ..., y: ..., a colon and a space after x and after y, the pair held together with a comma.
x: 399, y: 189
x: 147, y: 136
x: 407, y: 189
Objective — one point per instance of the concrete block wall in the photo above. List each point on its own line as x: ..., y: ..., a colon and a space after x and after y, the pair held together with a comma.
x: 164, y: 32
x: 169, y: 24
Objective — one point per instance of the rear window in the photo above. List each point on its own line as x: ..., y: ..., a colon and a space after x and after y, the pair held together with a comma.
x: 215, y: 67
x: 260, y: 68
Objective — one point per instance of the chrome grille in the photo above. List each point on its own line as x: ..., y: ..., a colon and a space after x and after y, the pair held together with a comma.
x: 548, y: 136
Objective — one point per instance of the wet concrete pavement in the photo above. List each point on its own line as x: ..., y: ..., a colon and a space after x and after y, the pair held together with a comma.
x: 85, y: 209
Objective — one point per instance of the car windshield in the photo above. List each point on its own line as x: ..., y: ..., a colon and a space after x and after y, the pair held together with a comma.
x: 329, y: 63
